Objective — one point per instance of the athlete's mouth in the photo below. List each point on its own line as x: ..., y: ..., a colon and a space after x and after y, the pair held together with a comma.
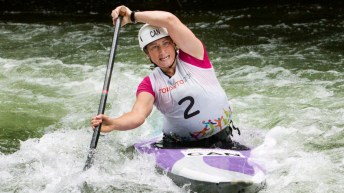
x: 165, y: 58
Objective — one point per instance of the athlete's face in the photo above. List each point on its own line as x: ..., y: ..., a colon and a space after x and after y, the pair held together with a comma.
x: 162, y: 52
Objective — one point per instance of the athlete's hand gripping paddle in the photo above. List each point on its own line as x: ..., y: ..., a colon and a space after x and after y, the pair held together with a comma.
x: 96, y: 132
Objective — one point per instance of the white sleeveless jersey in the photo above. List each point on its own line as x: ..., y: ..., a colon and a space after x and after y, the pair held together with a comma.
x: 192, y: 101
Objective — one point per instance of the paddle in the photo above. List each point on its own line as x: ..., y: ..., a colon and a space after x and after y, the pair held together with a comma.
x: 101, y: 109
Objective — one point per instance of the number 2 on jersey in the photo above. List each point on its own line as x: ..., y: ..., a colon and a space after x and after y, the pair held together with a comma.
x: 187, y: 114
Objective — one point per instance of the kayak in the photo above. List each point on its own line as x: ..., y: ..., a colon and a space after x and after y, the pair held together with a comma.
x: 208, y: 169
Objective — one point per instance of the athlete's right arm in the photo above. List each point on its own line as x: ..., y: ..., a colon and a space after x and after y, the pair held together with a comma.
x: 131, y: 120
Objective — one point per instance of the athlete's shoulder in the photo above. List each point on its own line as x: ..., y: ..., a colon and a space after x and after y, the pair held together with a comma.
x: 145, y: 86
x: 205, y: 63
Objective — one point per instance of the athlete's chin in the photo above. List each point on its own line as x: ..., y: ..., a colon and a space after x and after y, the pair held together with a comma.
x: 165, y: 64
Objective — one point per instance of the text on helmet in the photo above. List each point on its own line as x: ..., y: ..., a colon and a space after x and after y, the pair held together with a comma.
x: 154, y: 32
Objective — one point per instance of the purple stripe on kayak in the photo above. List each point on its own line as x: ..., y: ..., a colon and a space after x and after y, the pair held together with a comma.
x: 166, y: 159
x: 236, y: 164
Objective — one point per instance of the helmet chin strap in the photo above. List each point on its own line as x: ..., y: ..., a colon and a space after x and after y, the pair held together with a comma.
x: 175, y: 57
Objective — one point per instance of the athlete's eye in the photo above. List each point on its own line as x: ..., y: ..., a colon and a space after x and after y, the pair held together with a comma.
x: 167, y: 43
x: 153, y: 48
x: 156, y: 47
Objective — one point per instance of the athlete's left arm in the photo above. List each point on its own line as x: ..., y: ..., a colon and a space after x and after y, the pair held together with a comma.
x: 180, y: 33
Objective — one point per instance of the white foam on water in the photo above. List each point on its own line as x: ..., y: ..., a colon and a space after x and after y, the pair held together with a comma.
x: 290, y: 166
x: 295, y: 122
x: 54, y: 162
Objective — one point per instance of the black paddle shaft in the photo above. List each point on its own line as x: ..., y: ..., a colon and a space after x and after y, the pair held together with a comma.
x: 101, y: 110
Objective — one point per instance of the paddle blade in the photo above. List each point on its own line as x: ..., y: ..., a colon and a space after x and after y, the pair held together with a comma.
x: 89, y: 161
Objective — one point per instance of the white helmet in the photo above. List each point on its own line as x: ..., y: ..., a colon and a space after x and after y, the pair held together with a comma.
x: 149, y: 33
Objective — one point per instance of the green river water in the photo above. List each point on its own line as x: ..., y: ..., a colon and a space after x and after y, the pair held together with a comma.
x: 282, y: 69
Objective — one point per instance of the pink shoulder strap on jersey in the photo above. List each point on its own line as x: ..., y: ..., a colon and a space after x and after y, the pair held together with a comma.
x: 205, y: 63
x: 145, y: 86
